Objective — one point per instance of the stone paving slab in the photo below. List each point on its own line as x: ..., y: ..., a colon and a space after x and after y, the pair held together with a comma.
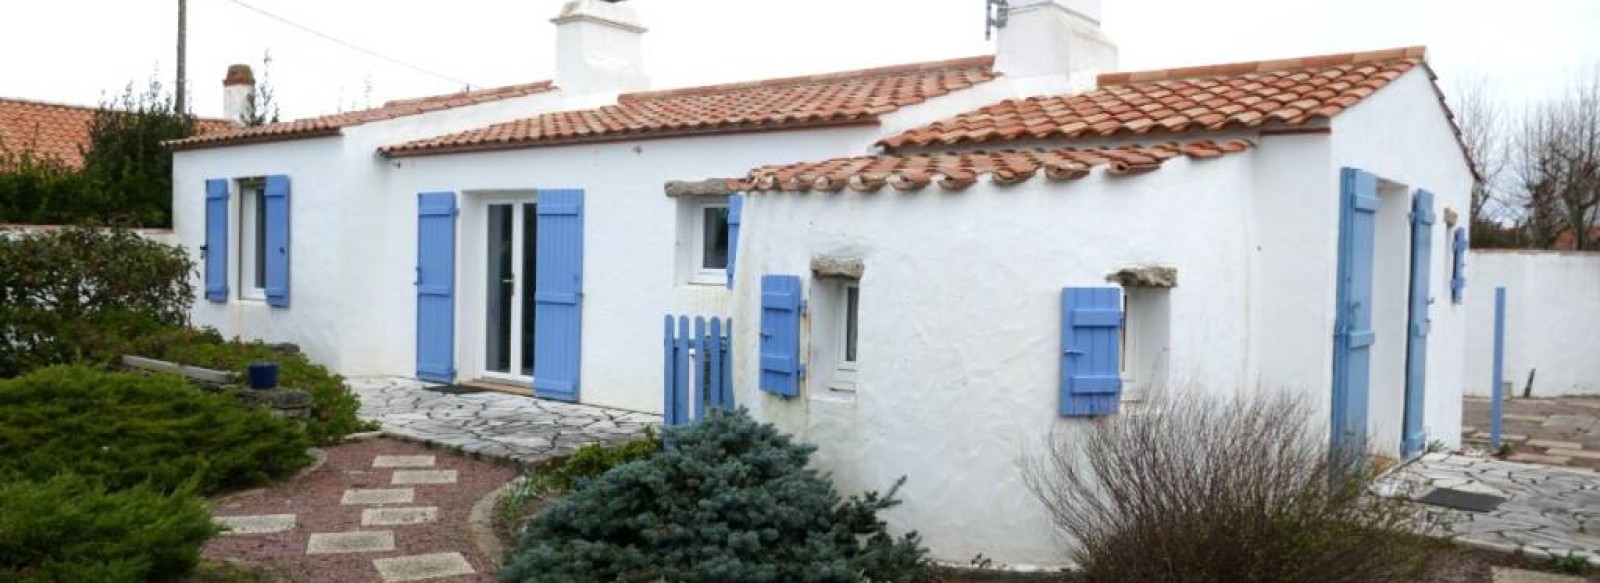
x: 1509, y: 575
x: 403, y: 461
x: 378, y: 496
x: 398, y: 516
x: 256, y: 524
x: 1548, y: 510
x: 366, y: 541
x: 409, y: 477
x: 419, y: 567
x: 521, y: 429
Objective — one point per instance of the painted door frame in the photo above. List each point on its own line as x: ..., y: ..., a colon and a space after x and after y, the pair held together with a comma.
x: 1353, y: 335
x: 1413, y: 433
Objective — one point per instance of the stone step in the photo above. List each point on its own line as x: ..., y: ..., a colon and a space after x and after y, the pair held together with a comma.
x: 257, y: 524
x: 366, y: 541
x: 398, y: 516
x: 420, y: 567
x: 378, y: 496
x: 409, y: 477
x: 403, y: 461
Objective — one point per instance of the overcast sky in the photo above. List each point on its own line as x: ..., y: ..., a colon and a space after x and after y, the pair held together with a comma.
x: 75, y: 51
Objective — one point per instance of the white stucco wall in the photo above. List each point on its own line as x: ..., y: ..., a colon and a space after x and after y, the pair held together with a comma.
x: 1402, y: 134
x: 960, y: 328
x: 1552, y: 321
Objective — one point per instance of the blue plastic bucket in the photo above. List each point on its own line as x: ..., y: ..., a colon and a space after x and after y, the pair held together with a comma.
x: 263, y: 375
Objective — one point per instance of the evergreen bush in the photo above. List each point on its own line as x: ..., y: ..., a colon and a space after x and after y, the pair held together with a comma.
x: 126, y: 429
x: 728, y: 499
x: 36, y: 190
x: 67, y: 529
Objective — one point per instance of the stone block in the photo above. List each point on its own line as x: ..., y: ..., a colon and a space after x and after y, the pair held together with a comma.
x: 324, y: 543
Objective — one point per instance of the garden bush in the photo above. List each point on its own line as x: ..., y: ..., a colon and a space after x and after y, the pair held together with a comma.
x: 1206, y: 489
x: 727, y: 500
x: 125, y: 429
x: 333, y: 408
x: 67, y: 529
x: 561, y: 475
x: 77, y: 293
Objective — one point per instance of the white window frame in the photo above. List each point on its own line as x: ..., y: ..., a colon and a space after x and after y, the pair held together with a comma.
x: 1145, y: 342
x: 844, y: 378
x: 252, y: 236
x: 698, y: 273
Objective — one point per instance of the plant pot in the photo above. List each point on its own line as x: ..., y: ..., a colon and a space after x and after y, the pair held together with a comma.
x: 263, y: 375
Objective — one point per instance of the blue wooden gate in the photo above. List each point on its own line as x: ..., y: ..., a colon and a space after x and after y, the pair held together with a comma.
x: 1353, y: 335
x: 699, y: 370
x: 435, y: 281
x: 1422, y: 219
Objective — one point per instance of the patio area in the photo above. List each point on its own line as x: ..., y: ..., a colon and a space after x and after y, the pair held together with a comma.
x: 521, y: 429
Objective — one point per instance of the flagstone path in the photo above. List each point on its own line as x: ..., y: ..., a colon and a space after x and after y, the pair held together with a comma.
x: 492, y: 424
x: 379, y: 511
x: 1548, y: 510
x: 1557, y: 431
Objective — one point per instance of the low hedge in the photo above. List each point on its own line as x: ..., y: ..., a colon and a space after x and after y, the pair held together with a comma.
x: 67, y: 528
x: 126, y: 429
x: 333, y: 408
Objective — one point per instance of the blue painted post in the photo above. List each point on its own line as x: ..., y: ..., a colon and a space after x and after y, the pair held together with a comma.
x: 702, y: 357
x: 669, y: 358
x: 1499, y: 366
x: 714, y: 356
x: 680, y: 382
x: 726, y: 349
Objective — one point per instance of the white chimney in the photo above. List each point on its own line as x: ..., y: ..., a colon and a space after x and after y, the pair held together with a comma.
x: 598, y: 48
x: 1060, y: 39
x: 238, y: 94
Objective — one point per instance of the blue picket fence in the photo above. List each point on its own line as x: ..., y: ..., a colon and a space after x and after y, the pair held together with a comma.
x: 699, y: 371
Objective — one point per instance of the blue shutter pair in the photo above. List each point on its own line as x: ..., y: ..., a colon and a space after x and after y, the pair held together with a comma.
x: 781, y: 309
x: 215, y: 250
x: 1091, y: 371
x: 1458, y: 273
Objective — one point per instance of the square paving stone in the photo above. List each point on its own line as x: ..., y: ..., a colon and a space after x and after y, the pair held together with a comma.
x: 403, y: 477
x: 260, y: 524
x: 403, y: 461
x: 378, y: 496
x: 324, y: 543
x: 418, y: 567
x: 398, y: 516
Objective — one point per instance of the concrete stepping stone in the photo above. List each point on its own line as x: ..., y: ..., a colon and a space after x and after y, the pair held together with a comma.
x: 1588, y: 455
x: 419, y: 567
x: 398, y: 516
x: 403, y: 461
x: 1533, y: 458
x: 373, y: 541
x: 1550, y: 444
x: 258, y: 524
x: 378, y: 496
x: 407, y: 477
x: 1509, y: 575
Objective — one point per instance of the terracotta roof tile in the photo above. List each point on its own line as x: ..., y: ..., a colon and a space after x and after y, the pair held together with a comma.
x: 957, y: 170
x: 1208, y: 98
x: 787, y: 103
x: 331, y: 124
x: 60, y: 131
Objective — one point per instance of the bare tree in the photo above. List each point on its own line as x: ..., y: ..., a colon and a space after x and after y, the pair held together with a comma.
x: 1483, y: 133
x: 1557, y: 158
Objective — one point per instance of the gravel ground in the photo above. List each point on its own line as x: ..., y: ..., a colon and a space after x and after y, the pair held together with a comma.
x: 315, y: 500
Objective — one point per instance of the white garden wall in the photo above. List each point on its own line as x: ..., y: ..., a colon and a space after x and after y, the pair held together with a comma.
x: 1552, y: 321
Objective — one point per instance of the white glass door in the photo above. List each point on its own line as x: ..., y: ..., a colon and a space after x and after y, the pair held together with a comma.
x: 509, y: 284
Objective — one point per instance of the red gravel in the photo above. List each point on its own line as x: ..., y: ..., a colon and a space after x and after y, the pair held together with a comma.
x: 315, y: 498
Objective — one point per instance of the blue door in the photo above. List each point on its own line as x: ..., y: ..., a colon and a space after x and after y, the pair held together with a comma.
x: 1353, y: 336
x: 558, y: 294
x: 435, y: 281
x: 1422, y: 219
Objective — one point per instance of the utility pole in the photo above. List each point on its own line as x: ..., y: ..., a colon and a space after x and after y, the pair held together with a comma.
x: 183, y: 26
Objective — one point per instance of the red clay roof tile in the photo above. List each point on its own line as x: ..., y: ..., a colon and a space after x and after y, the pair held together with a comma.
x: 787, y: 103
x: 58, y: 131
x: 331, y: 124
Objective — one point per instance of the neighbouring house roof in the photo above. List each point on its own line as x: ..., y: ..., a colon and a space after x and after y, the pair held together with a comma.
x: 329, y: 125
x: 59, y: 131
x: 958, y: 170
x: 843, y: 98
x: 1284, y: 92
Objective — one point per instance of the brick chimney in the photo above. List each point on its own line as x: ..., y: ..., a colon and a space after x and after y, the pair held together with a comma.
x: 1055, y: 38
x: 238, y: 94
x: 599, y: 48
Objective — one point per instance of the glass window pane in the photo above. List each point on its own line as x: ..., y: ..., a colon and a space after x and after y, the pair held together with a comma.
x: 852, y: 301
x: 714, y: 253
x: 530, y: 231
x: 261, y: 240
x: 497, y: 356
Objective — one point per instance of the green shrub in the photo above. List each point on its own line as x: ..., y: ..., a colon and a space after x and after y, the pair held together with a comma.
x: 333, y: 408
x: 124, y: 429
x: 68, y: 529
x: 728, y: 500
x: 37, y: 190
x: 563, y: 474
x: 79, y: 293
x: 1208, y: 489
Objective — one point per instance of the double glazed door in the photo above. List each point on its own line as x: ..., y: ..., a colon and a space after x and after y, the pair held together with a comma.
x: 510, y: 265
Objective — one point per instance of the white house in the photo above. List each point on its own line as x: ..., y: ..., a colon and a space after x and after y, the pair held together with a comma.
x: 958, y: 274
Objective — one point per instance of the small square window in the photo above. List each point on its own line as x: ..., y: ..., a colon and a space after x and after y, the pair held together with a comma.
x: 702, y: 251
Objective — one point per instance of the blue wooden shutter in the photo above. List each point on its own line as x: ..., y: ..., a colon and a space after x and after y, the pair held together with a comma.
x: 277, y: 193
x: 558, y: 293
x: 1458, y: 271
x: 435, y: 281
x: 1091, y: 371
x: 1352, y: 323
x: 780, y: 334
x: 215, y: 251
x: 1422, y: 219
x: 735, y: 216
